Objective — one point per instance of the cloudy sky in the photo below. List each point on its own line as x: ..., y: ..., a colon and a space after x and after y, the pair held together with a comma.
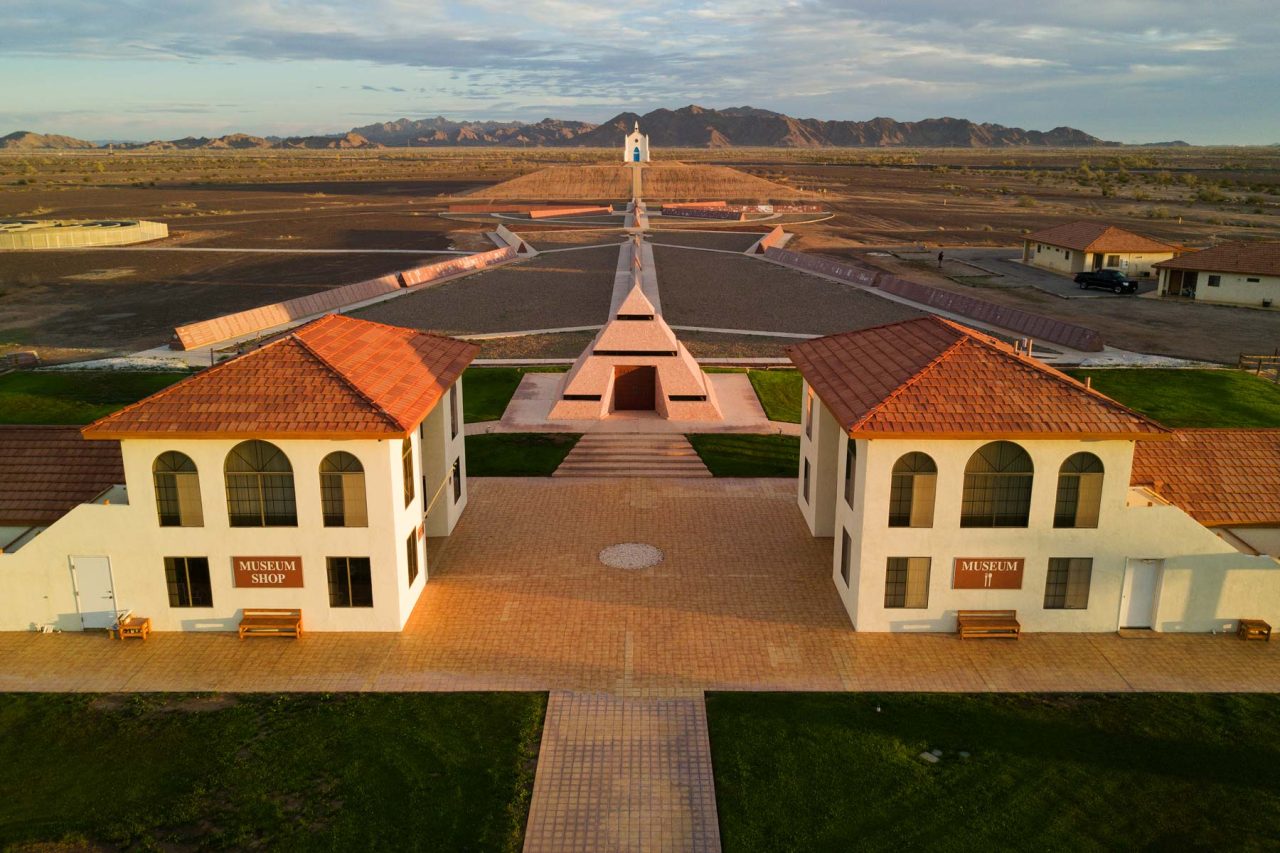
x: 1130, y: 70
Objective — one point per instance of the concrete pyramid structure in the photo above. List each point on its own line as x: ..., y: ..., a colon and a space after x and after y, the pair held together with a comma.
x: 635, y: 363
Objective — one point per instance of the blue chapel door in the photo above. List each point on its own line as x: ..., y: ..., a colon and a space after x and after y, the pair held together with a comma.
x: 635, y: 154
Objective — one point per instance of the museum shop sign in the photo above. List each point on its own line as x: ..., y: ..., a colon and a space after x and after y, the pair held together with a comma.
x: 988, y: 573
x: 267, y: 571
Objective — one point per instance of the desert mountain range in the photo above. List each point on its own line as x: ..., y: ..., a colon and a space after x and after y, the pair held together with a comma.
x: 688, y: 127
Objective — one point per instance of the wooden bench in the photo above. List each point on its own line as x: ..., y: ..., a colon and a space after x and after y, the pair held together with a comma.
x: 1253, y: 629
x: 128, y: 625
x: 987, y: 623
x: 270, y: 622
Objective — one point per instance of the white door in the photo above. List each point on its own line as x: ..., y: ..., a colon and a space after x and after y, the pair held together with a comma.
x: 95, y: 594
x: 1138, y: 597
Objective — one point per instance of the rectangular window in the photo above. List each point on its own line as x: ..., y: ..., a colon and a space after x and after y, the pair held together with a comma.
x: 808, y: 414
x: 906, y: 583
x: 457, y: 480
x: 1113, y: 260
x: 350, y: 583
x: 455, y: 419
x: 850, y: 457
x: 1067, y: 586
x: 1215, y: 281
x: 1066, y: 255
x: 411, y: 553
x: 1253, y: 280
x: 846, y: 557
x: 342, y: 499
x: 188, y: 581
x: 406, y: 462
x: 806, y: 479
x: 996, y: 500
x: 178, y: 499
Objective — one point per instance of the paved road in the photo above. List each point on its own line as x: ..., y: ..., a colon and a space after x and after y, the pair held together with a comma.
x: 1006, y: 262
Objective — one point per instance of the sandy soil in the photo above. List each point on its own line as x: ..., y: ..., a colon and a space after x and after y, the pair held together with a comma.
x: 731, y: 241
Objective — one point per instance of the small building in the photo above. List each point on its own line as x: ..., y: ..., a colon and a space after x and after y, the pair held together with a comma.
x: 1242, y: 273
x: 305, y: 474
x: 635, y: 148
x: 77, y: 233
x: 955, y: 473
x: 1079, y: 246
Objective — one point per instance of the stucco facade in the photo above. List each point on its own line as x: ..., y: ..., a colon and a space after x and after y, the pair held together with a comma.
x: 38, y: 582
x: 1071, y: 261
x: 1221, y: 288
x: 1196, y: 580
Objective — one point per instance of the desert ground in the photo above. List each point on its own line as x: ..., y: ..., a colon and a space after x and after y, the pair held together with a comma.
x: 284, y: 224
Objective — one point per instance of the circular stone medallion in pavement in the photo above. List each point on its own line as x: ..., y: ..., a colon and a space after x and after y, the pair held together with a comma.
x: 631, y: 555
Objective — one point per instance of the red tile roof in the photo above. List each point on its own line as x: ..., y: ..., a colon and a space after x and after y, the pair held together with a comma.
x: 932, y: 377
x: 1098, y: 237
x: 46, y: 471
x: 1251, y: 258
x: 1218, y: 476
x: 334, y: 377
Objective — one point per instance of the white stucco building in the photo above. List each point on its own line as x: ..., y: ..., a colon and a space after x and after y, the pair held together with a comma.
x: 1079, y: 246
x: 1226, y: 274
x: 954, y: 473
x: 635, y: 148
x: 306, y: 474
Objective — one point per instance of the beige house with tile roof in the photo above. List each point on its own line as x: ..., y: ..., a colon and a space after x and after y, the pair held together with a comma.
x: 1244, y: 273
x: 955, y: 473
x: 306, y: 474
x: 1078, y: 246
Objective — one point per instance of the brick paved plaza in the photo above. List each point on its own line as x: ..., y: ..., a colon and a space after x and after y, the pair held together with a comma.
x: 743, y: 600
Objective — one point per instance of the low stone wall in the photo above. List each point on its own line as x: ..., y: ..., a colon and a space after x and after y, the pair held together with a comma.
x: 548, y: 212
x: 55, y: 234
x: 1014, y: 319
x: 228, y: 326
x: 705, y: 213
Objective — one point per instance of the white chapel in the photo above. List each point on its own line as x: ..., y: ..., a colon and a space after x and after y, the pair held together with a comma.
x: 635, y: 149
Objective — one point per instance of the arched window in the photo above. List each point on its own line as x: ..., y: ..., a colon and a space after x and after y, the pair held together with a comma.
x: 1079, y: 491
x: 997, y: 487
x: 342, y: 491
x: 259, y: 486
x: 912, y: 491
x: 177, y: 490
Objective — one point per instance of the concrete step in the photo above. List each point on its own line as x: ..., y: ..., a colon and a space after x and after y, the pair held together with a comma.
x: 632, y: 455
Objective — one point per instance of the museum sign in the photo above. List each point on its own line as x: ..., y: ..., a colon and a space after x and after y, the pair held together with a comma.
x: 988, y: 573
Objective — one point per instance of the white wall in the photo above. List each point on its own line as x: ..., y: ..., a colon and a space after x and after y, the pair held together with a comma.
x: 820, y: 446
x: 1236, y: 289
x: 35, y: 581
x: 1123, y: 532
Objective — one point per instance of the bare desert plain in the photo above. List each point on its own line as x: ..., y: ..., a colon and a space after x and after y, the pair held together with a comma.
x: 254, y: 227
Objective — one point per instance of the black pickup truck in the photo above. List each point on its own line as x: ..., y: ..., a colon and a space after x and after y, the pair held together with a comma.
x: 1112, y: 280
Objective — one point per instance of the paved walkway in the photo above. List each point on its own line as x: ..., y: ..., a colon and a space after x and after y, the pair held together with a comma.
x: 623, y: 774
x: 605, y: 454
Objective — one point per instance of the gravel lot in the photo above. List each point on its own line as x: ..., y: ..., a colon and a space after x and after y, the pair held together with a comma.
x: 727, y: 292
x: 732, y: 241
x: 551, y: 291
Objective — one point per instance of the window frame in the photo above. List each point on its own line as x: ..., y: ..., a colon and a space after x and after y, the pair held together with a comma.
x: 171, y: 509
x: 335, y: 491
x: 179, y: 586
x: 996, y: 491
x: 262, y: 487
x: 456, y: 471
x: 905, y: 495
x: 846, y: 558
x: 411, y: 556
x: 1063, y: 581
x: 408, y: 469
x: 340, y: 569
x: 899, y: 583
x: 850, y: 470
x: 1069, y: 489
x: 455, y: 421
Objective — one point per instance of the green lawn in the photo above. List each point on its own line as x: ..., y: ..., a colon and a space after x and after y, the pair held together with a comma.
x: 30, y: 397
x: 423, y: 771
x: 517, y: 454
x: 1192, y: 398
x: 806, y: 772
x: 487, y: 390
x: 779, y: 393
x: 729, y: 455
